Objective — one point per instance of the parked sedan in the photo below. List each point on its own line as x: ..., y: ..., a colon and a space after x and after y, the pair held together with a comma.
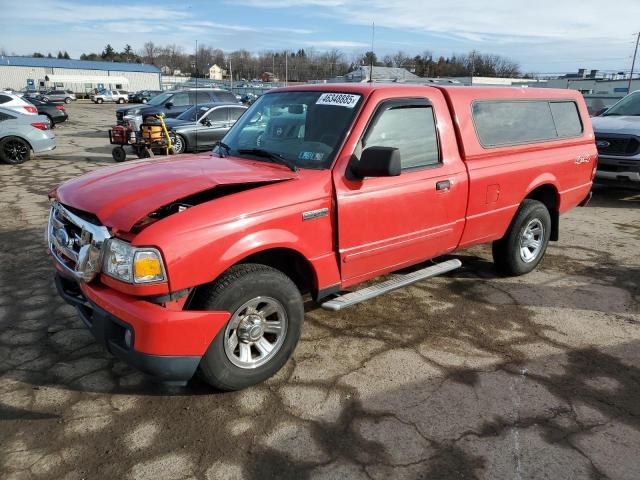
x: 54, y: 111
x: 143, y: 96
x: 12, y: 101
x: 66, y: 96
x: 201, y: 126
x: 22, y: 135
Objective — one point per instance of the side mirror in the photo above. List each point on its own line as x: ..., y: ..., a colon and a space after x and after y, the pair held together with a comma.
x: 168, y: 104
x: 378, y: 162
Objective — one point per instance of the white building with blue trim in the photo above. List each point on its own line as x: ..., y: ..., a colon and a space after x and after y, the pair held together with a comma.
x: 80, y: 76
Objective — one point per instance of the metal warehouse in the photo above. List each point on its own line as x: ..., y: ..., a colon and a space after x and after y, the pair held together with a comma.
x: 80, y: 76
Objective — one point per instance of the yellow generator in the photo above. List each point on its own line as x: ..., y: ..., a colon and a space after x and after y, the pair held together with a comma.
x: 154, y: 136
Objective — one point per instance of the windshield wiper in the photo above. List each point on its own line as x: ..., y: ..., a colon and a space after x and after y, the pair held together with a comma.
x: 276, y: 157
x: 220, y: 144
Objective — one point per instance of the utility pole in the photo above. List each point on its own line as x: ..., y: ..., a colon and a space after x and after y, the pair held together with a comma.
x: 286, y: 67
x: 373, y: 34
x: 633, y: 63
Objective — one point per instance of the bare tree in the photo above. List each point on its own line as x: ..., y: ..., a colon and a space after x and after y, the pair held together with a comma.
x: 149, y: 53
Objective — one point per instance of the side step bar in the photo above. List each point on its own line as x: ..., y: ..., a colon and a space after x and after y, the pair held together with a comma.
x: 351, y: 298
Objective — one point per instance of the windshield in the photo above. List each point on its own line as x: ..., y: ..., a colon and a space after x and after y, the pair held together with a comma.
x: 160, y: 98
x: 306, y: 128
x: 629, y: 105
x: 191, y: 113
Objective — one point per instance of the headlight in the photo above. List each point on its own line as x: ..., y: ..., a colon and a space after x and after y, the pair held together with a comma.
x: 132, y: 264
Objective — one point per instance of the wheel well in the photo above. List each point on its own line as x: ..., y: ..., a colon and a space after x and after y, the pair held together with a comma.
x: 548, y: 195
x: 291, y: 263
x: 19, y: 138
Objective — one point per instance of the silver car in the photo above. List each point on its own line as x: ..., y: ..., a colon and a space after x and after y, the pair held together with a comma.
x: 66, y: 96
x: 22, y: 135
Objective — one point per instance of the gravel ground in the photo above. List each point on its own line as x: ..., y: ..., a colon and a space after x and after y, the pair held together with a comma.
x: 465, y: 376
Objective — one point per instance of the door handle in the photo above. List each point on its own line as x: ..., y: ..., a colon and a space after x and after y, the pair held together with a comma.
x: 443, y: 185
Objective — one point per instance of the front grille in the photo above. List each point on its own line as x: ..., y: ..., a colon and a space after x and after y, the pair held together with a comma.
x: 75, y: 243
x: 626, y: 145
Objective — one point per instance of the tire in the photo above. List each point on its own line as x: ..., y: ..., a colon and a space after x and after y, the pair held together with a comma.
x: 99, y: 100
x: 51, y: 124
x: 119, y: 154
x: 179, y: 145
x: 143, y: 152
x: 525, y: 243
x: 226, y: 365
x: 144, y: 100
x: 120, y: 100
x: 67, y: 100
x: 14, y: 150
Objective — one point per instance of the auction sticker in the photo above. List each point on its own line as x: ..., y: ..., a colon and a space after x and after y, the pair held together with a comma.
x: 339, y: 99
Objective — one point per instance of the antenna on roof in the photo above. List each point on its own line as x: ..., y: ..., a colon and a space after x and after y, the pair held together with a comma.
x: 373, y: 35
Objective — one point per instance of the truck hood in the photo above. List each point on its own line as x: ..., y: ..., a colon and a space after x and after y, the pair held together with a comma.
x: 123, y: 194
x: 629, y: 125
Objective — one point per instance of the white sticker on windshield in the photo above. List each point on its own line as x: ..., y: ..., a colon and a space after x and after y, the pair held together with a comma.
x: 340, y: 99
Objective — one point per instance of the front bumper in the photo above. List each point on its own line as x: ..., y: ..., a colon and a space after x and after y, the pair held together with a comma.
x: 618, y: 169
x: 164, y: 344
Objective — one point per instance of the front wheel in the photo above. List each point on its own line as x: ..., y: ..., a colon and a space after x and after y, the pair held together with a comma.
x: 526, y: 240
x: 179, y: 144
x: 99, y: 100
x: 119, y: 154
x: 266, y: 321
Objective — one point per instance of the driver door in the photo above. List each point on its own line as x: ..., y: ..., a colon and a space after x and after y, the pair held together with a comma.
x: 386, y: 223
x: 216, y: 126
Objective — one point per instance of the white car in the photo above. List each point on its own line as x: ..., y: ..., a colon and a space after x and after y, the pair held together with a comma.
x: 116, y: 96
x: 16, y: 103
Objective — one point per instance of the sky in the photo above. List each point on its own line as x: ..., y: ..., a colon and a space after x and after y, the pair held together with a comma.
x: 544, y: 36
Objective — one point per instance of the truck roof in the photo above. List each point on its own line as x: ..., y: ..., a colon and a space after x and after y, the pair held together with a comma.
x: 460, y: 91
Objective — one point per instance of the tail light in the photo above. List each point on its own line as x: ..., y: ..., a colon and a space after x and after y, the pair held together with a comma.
x: 41, y: 125
x: 59, y: 107
x: 31, y: 109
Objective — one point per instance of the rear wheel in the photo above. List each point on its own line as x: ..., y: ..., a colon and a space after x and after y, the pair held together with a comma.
x: 266, y: 321
x: 121, y: 100
x: 51, y: 124
x: 67, y: 100
x: 99, y: 100
x: 14, y: 150
x: 526, y: 240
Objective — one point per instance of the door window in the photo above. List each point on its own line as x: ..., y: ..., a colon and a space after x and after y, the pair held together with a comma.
x: 217, y: 116
x: 202, y: 97
x: 409, y: 126
x: 180, y: 99
x: 235, y: 114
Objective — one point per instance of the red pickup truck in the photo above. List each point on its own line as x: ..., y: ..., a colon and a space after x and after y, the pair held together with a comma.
x: 201, y: 262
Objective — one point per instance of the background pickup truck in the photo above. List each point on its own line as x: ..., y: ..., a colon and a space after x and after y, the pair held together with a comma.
x: 202, y: 261
x: 617, y: 133
x: 115, y: 96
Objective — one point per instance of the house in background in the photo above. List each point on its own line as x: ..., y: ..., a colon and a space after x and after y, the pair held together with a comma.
x: 216, y: 72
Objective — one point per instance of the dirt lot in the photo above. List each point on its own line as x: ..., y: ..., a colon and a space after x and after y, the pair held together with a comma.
x: 465, y: 376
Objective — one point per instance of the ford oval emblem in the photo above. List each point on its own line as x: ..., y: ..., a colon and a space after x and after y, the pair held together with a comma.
x: 602, y: 144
